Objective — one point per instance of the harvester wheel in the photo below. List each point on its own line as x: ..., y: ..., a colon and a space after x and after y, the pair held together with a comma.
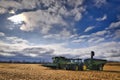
x: 84, y: 67
x: 65, y: 68
x: 100, y: 67
x: 76, y: 68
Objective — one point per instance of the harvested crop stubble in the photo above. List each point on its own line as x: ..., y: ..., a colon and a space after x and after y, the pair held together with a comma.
x: 38, y: 72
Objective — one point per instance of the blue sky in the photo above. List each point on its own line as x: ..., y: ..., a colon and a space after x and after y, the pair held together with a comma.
x: 40, y: 29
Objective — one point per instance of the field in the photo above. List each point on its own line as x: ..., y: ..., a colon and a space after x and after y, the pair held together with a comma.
x: 37, y: 72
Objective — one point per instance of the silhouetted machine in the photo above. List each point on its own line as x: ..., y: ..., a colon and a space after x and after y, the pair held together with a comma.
x: 77, y: 64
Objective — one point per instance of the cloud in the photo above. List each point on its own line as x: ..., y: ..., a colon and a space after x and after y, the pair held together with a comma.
x: 2, y: 10
x: 89, y: 28
x: 100, y: 33
x: 93, y: 38
x: 64, y: 34
x: 114, y: 25
x: 7, y: 5
x: 55, y: 19
x: 37, y: 52
x: 103, y: 50
x: 114, y: 30
x: 18, y: 47
x: 117, y: 34
x: 17, y: 19
x: 99, y: 3
x: 46, y: 51
x: 78, y: 41
x: 16, y: 40
x: 2, y: 34
x: 102, y: 18
x: 50, y: 18
x: 84, y: 36
x: 12, y: 43
x: 41, y: 19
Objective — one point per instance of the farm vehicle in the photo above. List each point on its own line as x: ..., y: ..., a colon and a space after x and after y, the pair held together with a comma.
x: 61, y: 62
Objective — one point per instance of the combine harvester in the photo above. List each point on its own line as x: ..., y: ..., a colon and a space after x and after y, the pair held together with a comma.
x: 76, y: 64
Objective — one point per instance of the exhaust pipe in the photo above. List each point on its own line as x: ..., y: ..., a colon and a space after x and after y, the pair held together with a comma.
x: 92, y: 54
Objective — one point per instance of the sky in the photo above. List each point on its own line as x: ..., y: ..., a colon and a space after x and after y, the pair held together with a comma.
x: 34, y: 30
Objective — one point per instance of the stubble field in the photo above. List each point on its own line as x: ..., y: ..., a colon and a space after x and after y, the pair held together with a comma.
x: 37, y: 72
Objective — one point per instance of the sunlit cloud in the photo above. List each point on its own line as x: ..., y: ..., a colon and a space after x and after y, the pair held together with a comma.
x: 17, y: 19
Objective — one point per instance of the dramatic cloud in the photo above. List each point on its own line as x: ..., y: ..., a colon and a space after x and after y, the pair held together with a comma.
x: 51, y: 19
x: 37, y: 29
x: 14, y: 46
x: 102, y: 50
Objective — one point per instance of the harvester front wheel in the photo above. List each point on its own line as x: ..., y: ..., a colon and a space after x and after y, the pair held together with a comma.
x: 76, y: 68
x: 84, y: 67
x: 100, y: 67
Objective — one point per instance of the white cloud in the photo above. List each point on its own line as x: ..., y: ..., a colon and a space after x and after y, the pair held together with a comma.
x: 7, y: 4
x: 37, y: 51
x: 89, y: 28
x: 10, y: 46
x: 6, y: 54
x: 78, y: 41
x: 92, y: 39
x: 102, y: 50
x: 2, y: 10
x: 99, y: 3
x: 117, y: 34
x: 12, y: 43
x: 102, y: 18
x: 75, y: 3
x: 114, y: 30
x: 99, y: 33
x: 17, y: 19
x: 64, y: 34
x: 84, y: 36
x: 16, y: 40
x: 45, y: 18
x: 41, y: 19
x: 114, y: 25
x: 78, y: 16
x: 95, y: 40
x: 2, y: 34
x: 48, y: 17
